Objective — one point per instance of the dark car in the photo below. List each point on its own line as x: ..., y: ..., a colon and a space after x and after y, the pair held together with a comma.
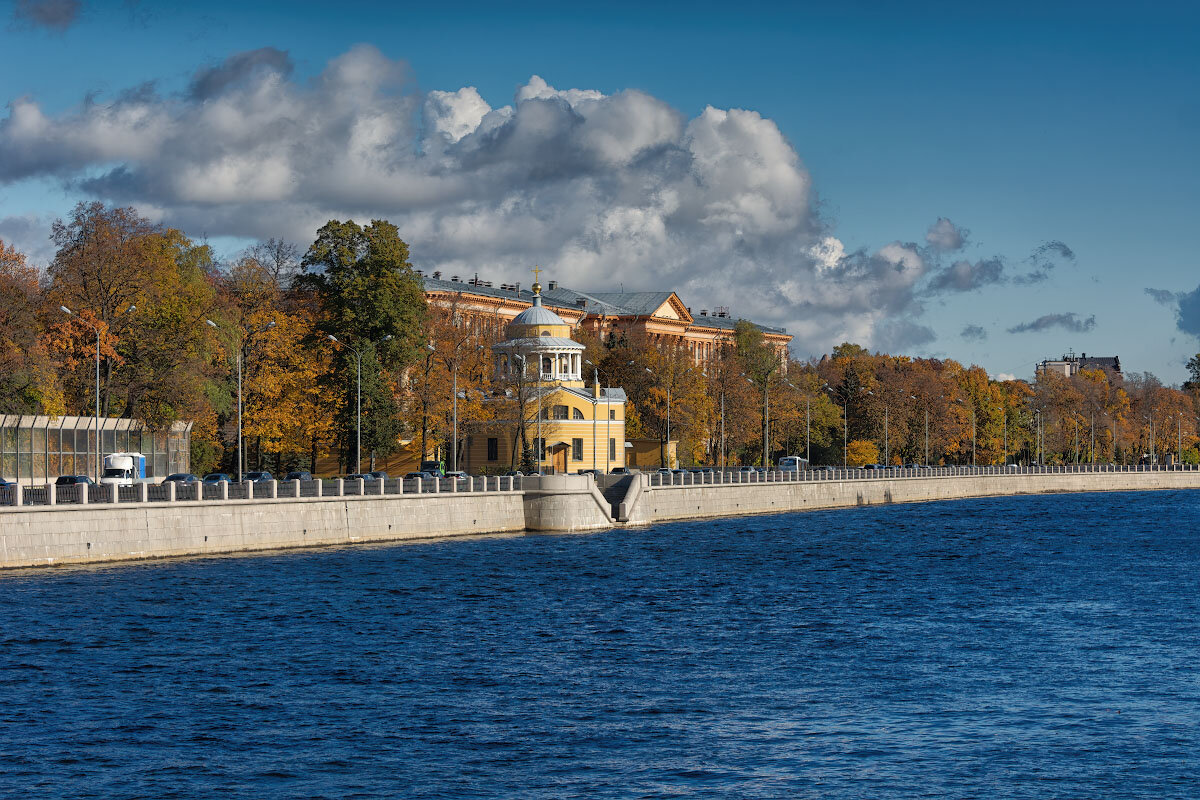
x: 218, y: 477
x: 428, y: 476
x: 357, y: 476
x: 180, y: 477
x: 377, y: 475
x: 619, y: 471
x: 260, y: 476
x: 4, y: 482
x: 514, y: 473
x: 299, y: 475
x: 74, y: 480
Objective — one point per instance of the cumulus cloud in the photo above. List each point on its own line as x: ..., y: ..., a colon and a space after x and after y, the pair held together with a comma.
x: 1048, y: 257
x: 1188, y: 312
x: 1163, y: 296
x: 945, y: 236
x: 973, y: 333
x: 600, y: 189
x: 1068, y: 321
x: 964, y: 276
x: 236, y: 69
x: 54, y: 15
x: 1004, y: 376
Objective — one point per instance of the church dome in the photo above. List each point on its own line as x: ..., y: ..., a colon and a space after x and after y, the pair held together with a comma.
x: 537, y: 314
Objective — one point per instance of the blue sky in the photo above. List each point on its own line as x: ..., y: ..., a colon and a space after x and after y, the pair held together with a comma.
x: 1020, y: 124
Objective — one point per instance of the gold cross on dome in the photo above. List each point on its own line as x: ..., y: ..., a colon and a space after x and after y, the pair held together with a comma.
x: 537, y: 271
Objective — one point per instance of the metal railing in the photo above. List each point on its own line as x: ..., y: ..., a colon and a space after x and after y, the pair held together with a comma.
x: 710, y: 476
x: 80, y: 494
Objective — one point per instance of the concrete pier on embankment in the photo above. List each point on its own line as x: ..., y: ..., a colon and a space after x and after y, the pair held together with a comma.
x: 105, y: 532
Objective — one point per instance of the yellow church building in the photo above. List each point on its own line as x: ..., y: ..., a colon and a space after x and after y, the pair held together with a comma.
x: 546, y: 403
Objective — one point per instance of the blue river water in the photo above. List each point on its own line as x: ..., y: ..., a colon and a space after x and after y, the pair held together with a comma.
x: 1000, y: 648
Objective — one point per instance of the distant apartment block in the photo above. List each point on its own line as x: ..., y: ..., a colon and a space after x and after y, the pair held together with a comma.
x: 1070, y: 365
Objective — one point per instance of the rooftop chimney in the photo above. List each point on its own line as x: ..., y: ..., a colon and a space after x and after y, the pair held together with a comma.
x: 553, y: 285
x: 437, y: 275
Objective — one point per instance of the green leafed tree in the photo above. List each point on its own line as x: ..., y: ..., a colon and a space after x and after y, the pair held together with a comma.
x: 372, y: 301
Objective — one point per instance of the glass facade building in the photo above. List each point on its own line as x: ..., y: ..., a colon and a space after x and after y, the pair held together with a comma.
x: 37, y: 449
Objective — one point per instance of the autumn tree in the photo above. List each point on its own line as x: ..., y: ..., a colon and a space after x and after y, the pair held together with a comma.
x: 28, y: 376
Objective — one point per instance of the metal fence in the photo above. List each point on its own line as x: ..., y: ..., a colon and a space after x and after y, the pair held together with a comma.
x: 697, y: 477
x: 80, y: 494
x: 395, y: 487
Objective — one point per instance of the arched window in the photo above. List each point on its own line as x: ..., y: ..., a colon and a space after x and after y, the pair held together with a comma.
x: 576, y: 414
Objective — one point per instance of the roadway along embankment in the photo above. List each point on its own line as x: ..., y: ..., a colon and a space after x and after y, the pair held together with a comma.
x: 664, y: 503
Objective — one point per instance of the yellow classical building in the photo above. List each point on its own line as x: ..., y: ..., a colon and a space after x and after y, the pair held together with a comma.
x: 547, y: 404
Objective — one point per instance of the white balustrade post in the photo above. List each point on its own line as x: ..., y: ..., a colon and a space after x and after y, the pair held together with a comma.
x: 320, y: 487
x: 437, y: 484
x: 361, y: 487
x: 419, y: 480
x: 51, y: 494
x: 112, y: 493
x: 249, y: 489
x: 171, y: 491
x: 273, y: 489
x: 296, y: 487
x: 224, y: 490
x: 341, y: 487
x: 143, y: 492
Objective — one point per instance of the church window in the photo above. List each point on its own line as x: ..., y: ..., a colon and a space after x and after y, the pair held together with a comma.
x: 576, y: 414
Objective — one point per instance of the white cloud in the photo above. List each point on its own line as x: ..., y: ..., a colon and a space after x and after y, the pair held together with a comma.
x: 600, y: 189
x: 945, y: 236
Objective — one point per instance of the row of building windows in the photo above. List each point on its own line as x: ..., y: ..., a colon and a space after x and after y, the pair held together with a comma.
x: 566, y: 412
x: 539, y: 447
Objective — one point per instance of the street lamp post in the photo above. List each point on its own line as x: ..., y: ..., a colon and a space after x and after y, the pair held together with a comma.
x: 596, y: 378
x: 358, y: 395
x: 96, y: 329
x: 845, y: 425
x: 972, y: 407
x: 668, y: 459
x: 1004, y: 424
x: 240, y: 345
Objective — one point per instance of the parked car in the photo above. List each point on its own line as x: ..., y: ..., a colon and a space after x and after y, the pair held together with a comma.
x: 457, y: 476
x: 514, y: 473
x: 358, y: 476
x: 427, y: 476
x: 377, y: 475
x: 73, y: 480
x: 594, y: 472
x: 259, y: 476
x: 218, y: 477
x: 299, y: 475
x: 620, y: 471
x: 180, y: 477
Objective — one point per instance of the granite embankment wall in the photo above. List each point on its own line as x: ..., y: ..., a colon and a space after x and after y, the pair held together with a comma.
x: 101, y: 532
x: 660, y: 504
